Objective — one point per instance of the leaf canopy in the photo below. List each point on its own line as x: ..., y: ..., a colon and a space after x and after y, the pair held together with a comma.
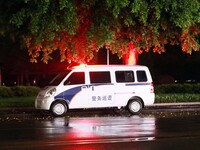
x: 78, y: 28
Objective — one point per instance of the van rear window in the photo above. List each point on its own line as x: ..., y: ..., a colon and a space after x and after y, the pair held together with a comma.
x: 141, y: 76
x: 100, y: 77
x: 124, y: 76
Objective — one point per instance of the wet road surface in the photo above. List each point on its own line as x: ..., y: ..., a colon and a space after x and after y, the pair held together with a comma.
x: 98, y: 133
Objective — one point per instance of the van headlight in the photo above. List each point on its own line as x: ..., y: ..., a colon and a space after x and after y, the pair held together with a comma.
x: 50, y: 92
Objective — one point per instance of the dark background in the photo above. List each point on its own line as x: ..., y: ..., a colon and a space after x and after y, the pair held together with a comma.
x: 172, y: 66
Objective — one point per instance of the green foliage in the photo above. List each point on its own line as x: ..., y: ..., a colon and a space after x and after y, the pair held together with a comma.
x: 19, y: 91
x: 45, y: 16
x: 25, y: 90
x: 176, y: 98
x: 17, y: 102
x: 178, y: 88
x: 185, y: 13
x: 67, y: 25
x: 140, y: 9
x: 116, y: 6
x: 170, y: 93
x: 6, y: 91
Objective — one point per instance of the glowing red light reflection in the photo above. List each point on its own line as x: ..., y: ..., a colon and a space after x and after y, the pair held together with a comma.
x: 131, y: 58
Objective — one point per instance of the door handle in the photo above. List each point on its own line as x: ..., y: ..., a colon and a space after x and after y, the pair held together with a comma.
x: 83, y: 87
x: 92, y: 88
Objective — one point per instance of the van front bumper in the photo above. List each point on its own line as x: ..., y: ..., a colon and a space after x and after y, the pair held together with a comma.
x: 43, y: 103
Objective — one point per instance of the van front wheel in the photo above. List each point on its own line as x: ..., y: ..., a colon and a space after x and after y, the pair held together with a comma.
x: 134, y: 106
x: 59, y: 108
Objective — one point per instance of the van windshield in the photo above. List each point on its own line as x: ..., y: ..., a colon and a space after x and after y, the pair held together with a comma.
x: 58, y: 78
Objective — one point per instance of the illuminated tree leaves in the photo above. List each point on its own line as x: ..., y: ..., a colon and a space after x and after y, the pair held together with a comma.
x: 78, y: 28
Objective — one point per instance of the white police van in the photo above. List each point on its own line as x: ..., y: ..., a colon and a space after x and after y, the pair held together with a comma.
x: 98, y: 86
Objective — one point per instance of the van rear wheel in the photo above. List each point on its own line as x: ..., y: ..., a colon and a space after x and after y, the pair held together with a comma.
x: 134, y: 106
x: 59, y: 108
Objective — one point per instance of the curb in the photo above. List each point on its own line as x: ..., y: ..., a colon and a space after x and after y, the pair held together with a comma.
x: 176, y: 104
x: 154, y: 105
x: 193, y: 106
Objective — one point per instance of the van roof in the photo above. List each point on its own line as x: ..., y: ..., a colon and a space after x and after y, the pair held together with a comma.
x: 107, y: 66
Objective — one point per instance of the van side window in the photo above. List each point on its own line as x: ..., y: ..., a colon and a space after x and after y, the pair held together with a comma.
x: 124, y: 76
x: 141, y: 76
x: 75, y: 78
x: 100, y: 77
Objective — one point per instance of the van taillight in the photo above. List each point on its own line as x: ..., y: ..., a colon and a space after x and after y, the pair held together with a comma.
x: 151, y: 88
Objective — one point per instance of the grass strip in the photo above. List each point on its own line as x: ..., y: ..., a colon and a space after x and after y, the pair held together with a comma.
x: 17, y: 102
x: 176, y: 98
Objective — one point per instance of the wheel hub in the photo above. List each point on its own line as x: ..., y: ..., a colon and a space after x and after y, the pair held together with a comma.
x: 59, y: 109
x: 135, y: 106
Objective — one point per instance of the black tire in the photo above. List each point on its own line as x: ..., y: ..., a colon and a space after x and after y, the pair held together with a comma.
x: 134, y: 106
x: 59, y: 108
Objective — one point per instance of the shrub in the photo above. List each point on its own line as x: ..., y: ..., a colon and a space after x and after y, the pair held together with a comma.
x: 178, y: 88
x: 17, y: 102
x: 177, y: 93
x: 172, y: 98
x: 25, y: 91
x: 18, y: 91
x: 6, y: 92
x: 32, y: 90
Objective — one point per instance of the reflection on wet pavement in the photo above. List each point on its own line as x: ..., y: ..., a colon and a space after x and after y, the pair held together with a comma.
x: 100, y: 127
x: 78, y: 128
x: 84, y: 131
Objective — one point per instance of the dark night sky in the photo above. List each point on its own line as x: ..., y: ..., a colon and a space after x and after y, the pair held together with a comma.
x: 166, y: 67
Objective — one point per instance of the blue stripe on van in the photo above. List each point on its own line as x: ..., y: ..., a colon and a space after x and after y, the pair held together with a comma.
x: 135, y: 84
x: 68, y: 94
x: 100, y: 84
